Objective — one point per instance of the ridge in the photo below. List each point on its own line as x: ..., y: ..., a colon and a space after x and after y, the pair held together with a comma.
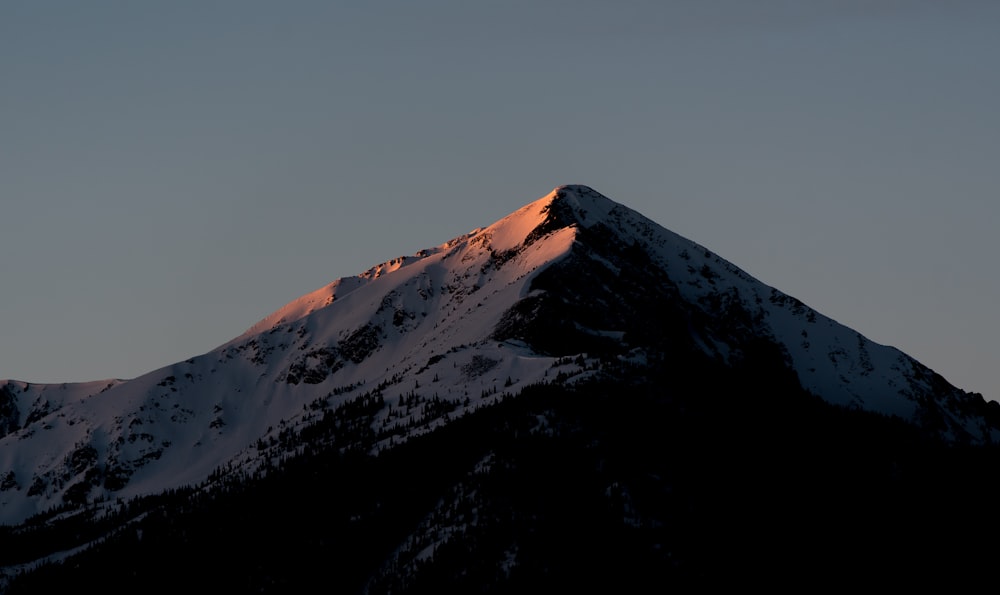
x: 563, y: 290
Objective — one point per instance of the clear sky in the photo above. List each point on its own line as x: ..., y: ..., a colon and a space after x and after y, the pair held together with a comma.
x: 171, y: 172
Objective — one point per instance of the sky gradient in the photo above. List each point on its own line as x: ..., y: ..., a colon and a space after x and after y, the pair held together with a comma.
x: 171, y: 172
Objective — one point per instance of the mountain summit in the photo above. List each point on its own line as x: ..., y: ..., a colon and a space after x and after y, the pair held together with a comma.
x: 571, y: 275
x: 572, y: 292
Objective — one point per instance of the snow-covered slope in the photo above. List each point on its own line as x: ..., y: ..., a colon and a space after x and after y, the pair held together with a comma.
x: 424, y: 338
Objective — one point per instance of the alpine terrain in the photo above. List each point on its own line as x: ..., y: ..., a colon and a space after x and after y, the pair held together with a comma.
x: 571, y: 397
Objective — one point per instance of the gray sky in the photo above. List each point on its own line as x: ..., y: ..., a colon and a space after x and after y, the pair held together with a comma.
x: 171, y: 172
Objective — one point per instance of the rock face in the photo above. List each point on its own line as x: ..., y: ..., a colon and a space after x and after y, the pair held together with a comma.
x: 570, y: 289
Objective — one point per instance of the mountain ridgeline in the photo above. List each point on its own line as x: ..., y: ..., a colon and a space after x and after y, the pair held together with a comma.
x: 571, y: 397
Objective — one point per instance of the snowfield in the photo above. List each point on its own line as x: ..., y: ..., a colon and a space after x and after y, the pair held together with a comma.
x: 422, y: 329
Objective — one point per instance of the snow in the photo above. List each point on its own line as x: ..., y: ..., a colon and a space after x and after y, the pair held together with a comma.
x: 511, y: 231
x: 431, y: 315
x: 176, y: 425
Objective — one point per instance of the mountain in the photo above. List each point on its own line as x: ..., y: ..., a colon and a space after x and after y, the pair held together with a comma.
x: 572, y: 357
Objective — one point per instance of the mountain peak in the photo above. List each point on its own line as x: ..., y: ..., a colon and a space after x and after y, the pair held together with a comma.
x: 570, y: 286
x: 582, y: 203
x: 577, y: 192
x: 566, y: 206
x: 572, y: 321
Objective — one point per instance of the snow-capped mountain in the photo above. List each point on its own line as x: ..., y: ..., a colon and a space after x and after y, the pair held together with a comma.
x: 562, y: 290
